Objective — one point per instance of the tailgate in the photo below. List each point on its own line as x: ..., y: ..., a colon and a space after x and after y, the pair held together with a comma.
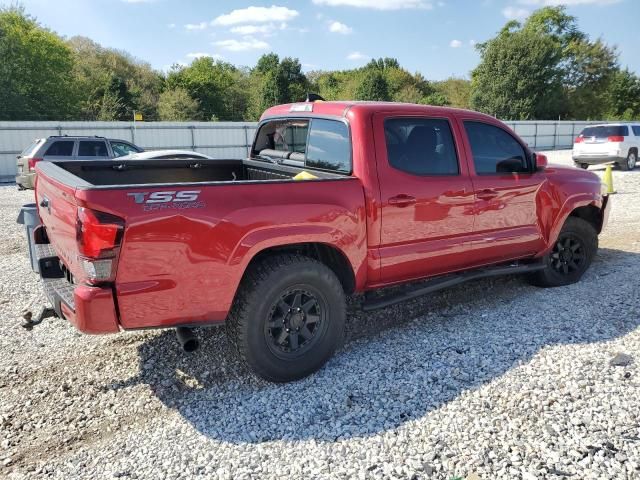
x: 58, y: 211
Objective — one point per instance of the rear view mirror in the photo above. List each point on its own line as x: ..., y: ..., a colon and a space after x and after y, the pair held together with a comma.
x: 540, y: 161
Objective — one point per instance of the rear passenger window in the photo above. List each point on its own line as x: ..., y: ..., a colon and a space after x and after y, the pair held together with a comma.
x: 92, y: 149
x: 329, y: 147
x: 494, y: 150
x: 636, y: 130
x: 421, y: 146
x: 61, y: 148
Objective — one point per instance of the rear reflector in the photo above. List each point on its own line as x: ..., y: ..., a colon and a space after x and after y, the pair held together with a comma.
x: 579, y: 139
x: 32, y: 163
x: 98, y: 270
x: 615, y: 138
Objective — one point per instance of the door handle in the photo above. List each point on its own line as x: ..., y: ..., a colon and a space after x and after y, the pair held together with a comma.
x: 487, y: 194
x: 402, y: 200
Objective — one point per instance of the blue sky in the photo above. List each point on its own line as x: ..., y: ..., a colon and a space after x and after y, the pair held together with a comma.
x: 433, y: 37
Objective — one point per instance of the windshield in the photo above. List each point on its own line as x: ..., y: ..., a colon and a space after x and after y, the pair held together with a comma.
x: 605, y: 131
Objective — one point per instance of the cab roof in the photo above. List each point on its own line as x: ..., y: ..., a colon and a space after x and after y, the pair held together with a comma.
x: 342, y: 108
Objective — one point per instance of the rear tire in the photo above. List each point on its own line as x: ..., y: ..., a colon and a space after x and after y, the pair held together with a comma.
x: 584, y: 166
x: 288, y: 317
x: 570, y: 257
x: 630, y: 163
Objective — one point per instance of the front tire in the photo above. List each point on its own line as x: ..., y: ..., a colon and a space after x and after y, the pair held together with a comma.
x: 571, y: 255
x: 288, y: 317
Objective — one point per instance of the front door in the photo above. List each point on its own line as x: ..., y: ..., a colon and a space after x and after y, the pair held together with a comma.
x: 506, y: 185
x: 427, y: 197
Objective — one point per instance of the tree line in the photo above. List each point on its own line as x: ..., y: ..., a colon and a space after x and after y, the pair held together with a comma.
x: 544, y: 68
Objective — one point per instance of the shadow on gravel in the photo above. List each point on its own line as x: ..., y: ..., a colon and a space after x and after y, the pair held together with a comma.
x: 398, y: 364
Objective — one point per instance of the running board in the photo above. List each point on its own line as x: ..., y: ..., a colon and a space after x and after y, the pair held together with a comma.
x: 450, y: 281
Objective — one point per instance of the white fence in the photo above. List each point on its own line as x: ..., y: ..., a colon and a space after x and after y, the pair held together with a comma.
x: 217, y: 139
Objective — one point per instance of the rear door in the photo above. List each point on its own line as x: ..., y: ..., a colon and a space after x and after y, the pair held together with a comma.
x: 427, y: 197
x: 94, y: 149
x: 506, y: 186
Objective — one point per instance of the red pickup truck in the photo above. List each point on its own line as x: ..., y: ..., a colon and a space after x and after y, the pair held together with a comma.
x: 334, y: 198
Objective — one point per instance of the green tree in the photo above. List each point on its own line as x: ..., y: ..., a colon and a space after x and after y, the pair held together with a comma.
x: 545, y: 68
x: 112, y: 84
x: 35, y: 70
x: 587, y: 66
x: 373, y: 86
x: 213, y: 84
x: 176, y: 105
x: 457, y: 91
x: 274, y: 81
x: 623, y: 96
x: 518, y: 77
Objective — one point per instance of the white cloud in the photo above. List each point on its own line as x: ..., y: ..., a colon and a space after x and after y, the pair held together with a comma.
x: 554, y: 3
x: 338, y: 27
x: 455, y: 43
x: 196, y: 26
x: 515, y: 13
x: 253, y: 29
x: 247, y: 43
x: 377, y: 4
x: 357, y: 56
x: 256, y: 15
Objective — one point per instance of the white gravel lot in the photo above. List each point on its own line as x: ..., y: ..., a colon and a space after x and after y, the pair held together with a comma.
x: 493, y: 379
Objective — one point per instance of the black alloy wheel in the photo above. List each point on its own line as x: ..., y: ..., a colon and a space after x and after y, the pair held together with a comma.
x: 568, y: 255
x: 294, y: 320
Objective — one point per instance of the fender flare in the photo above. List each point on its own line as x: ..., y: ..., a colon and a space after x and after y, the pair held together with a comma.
x: 570, y: 204
x: 263, y: 239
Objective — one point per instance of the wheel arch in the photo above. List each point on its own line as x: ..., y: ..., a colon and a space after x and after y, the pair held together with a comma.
x: 589, y: 213
x: 326, y: 254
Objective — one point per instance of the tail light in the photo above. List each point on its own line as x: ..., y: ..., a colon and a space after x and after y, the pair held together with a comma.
x: 579, y: 139
x: 32, y: 163
x: 99, y: 236
x: 615, y: 138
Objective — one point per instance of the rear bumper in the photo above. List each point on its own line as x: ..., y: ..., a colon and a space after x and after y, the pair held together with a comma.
x: 598, y: 159
x: 89, y: 309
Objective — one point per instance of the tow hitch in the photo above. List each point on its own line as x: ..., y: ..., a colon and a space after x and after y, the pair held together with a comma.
x: 29, y: 323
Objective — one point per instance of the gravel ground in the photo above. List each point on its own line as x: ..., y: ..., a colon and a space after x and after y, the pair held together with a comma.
x: 493, y: 379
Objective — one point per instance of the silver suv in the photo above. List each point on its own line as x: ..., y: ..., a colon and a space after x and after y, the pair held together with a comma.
x: 68, y: 148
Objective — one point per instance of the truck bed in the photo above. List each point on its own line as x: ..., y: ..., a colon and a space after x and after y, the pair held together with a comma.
x: 181, y: 258
x: 106, y: 174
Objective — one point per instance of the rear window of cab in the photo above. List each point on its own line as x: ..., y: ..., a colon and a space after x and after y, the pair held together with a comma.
x: 605, y: 131
x: 315, y: 143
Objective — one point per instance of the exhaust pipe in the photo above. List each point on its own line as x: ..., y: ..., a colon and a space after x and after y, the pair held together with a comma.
x: 187, y: 339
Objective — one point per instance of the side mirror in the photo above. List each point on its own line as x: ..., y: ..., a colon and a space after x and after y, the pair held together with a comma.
x: 540, y: 161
